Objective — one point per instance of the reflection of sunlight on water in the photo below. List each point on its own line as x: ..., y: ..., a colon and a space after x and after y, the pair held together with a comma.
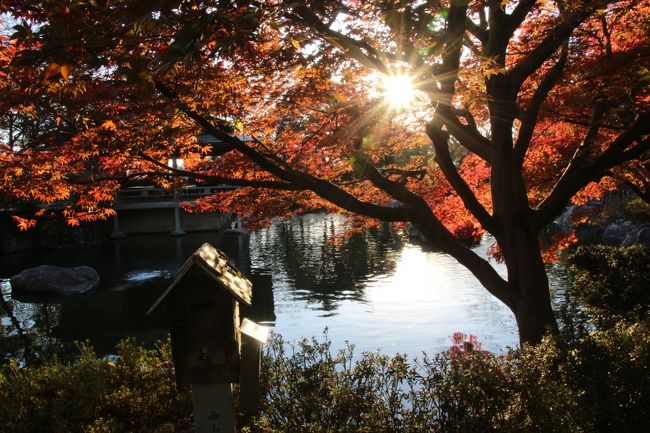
x: 431, y: 296
x: 416, y: 306
x: 374, y: 290
x: 146, y: 274
x: 23, y: 313
x: 5, y: 286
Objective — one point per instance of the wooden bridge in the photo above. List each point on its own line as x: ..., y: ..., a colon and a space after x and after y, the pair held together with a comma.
x: 160, y: 198
x: 157, y: 210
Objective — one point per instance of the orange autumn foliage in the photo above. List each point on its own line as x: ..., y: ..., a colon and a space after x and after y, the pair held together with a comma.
x: 520, y: 107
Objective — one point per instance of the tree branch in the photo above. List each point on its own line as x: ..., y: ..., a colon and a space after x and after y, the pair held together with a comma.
x: 324, y: 189
x: 529, y: 117
x: 372, y: 57
x: 220, y: 179
x: 498, y: 35
x: 468, y: 135
x: 577, y: 176
x: 583, y: 121
x: 443, y: 117
x: 519, y: 14
x: 438, y: 235
x: 435, y: 232
x: 556, y: 37
x: 476, y: 31
x: 364, y: 169
x: 404, y: 174
x: 440, y: 141
x: 643, y: 192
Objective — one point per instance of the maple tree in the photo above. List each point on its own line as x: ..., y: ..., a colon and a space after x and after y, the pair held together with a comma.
x: 520, y: 107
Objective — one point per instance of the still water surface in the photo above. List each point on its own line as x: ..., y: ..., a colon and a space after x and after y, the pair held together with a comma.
x: 376, y: 290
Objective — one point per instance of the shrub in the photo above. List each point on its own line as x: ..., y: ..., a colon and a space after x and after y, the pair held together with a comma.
x: 636, y: 209
x: 597, y: 381
x: 610, y: 369
x: 135, y: 392
x: 599, y: 384
x: 309, y: 390
x: 612, y: 283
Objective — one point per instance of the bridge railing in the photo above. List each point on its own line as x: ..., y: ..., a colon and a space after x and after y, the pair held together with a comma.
x: 149, y: 194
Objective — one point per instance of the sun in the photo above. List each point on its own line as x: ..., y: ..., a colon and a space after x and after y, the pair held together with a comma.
x: 397, y: 90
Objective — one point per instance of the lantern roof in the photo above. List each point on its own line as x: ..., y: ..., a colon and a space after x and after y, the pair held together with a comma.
x: 215, y: 264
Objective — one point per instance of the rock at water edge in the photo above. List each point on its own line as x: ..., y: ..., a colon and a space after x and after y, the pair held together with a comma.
x: 49, y: 280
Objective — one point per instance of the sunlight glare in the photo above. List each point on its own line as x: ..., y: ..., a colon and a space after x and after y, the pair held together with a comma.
x: 397, y: 90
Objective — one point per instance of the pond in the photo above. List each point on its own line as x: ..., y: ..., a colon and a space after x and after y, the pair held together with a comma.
x: 375, y: 289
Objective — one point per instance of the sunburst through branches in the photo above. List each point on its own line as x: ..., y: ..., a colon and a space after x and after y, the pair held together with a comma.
x: 397, y: 90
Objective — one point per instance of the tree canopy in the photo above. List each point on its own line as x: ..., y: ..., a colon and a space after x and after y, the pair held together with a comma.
x: 457, y: 116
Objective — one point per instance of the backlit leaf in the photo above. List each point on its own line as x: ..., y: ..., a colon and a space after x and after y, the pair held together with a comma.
x: 109, y: 125
x: 51, y: 70
x: 65, y: 71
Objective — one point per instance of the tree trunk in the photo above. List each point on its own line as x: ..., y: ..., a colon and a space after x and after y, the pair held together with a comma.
x: 533, y: 312
x: 527, y: 277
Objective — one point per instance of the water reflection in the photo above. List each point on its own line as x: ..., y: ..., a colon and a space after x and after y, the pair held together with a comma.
x: 133, y: 273
x: 304, y: 257
x: 26, y: 330
x: 387, y: 294
x: 374, y: 289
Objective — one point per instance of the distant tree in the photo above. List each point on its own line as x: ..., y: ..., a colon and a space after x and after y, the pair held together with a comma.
x: 518, y: 107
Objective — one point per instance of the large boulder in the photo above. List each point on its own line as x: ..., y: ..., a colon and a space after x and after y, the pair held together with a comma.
x: 564, y: 223
x: 643, y: 236
x: 618, y: 233
x: 53, y: 282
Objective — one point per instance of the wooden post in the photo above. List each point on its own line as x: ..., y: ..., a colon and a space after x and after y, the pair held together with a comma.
x: 213, y: 408
x: 253, y: 336
x: 249, y: 381
x: 178, y: 228
x: 117, y: 233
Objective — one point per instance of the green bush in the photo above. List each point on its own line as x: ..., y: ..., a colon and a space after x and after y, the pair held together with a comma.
x: 134, y: 393
x: 636, y: 209
x: 609, y: 324
x: 597, y: 381
x: 309, y: 390
x: 611, y: 370
x: 612, y: 283
x: 599, y: 384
